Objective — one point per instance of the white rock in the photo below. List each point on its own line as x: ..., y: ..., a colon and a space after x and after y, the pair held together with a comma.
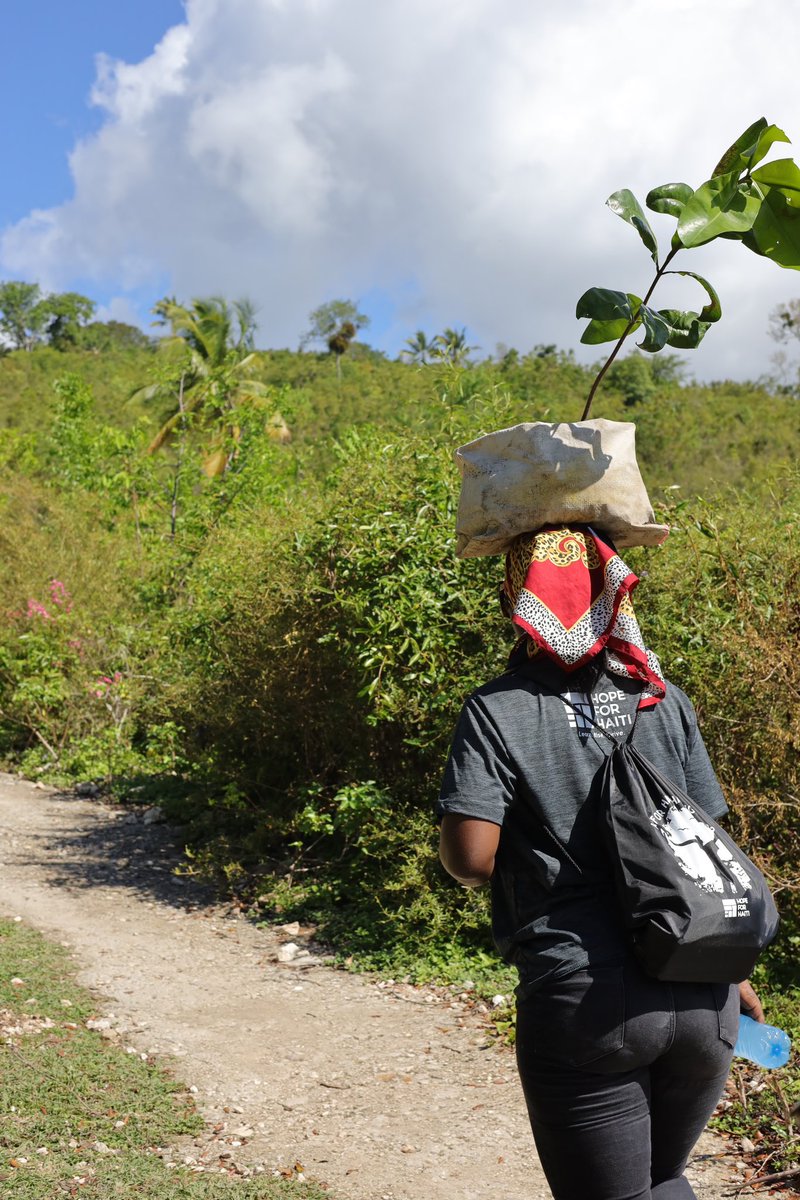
x: 152, y: 816
x: 292, y: 929
x: 498, y: 1001
x: 242, y: 1131
x: 287, y: 952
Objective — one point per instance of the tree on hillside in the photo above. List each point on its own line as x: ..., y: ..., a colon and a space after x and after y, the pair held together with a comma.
x: 784, y: 321
x: 67, y: 313
x: 27, y: 316
x: 451, y: 346
x: 335, y: 324
x: 784, y: 326
x: 218, y: 341
x: 419, y: 349
x: 101, y: 336
x: 22, y: 318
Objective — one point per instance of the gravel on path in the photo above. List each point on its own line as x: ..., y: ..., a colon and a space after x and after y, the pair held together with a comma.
x: 383, y: 1091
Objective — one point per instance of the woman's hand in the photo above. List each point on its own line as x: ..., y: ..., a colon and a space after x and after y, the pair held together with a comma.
x: 749, y: 1002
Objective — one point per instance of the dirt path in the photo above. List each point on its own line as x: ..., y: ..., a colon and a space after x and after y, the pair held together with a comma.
x: 386, y: 1092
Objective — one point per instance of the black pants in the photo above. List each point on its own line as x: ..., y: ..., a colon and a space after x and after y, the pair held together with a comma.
x: 620, y: 1074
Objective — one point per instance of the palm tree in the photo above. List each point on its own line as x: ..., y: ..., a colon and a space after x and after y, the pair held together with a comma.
x: 419, y: 349
x: 218, y: 340
x: 451, y: 346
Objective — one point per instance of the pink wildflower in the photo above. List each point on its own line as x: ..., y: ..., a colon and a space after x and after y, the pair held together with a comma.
x: 59, y: 595
x: 35, y: 609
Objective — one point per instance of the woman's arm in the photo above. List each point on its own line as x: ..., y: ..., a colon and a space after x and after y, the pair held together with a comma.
x: 467, y: 847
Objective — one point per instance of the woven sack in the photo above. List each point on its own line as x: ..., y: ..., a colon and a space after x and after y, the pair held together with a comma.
x: 583, y: 473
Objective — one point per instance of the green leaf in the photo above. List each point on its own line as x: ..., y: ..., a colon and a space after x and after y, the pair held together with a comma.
x: 686, y: 329
x: 604, y: 304
x: 607, y: 331
x: 656, y: 330
x: 776, y: 232
x: 753, y: 145
x: 766, y: 141
x: 625, y: 205
x: 713, y: 310
x: 668, y: 198
x: 611, y: 313
x: 722, y: 205
x: 783, y: 173
x: 738, y: 155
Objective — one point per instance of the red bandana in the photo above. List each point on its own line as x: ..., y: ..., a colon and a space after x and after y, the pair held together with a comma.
x: 570, y: 593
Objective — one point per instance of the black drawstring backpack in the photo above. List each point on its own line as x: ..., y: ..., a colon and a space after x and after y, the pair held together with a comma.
x: 698, y: 910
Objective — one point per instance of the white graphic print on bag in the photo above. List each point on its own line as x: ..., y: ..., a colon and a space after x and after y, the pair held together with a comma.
x: 604, y: 708
x: 702, y: 855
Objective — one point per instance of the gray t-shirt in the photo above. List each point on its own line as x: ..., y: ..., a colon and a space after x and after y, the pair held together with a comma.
x: 526, y: 761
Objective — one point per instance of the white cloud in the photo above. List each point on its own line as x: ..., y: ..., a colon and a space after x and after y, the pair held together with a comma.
x: 454, y: 157
x: 119, y: 308
x: 131, y: 93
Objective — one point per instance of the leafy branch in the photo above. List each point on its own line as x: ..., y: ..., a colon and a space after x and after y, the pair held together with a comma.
x: 758, y: 206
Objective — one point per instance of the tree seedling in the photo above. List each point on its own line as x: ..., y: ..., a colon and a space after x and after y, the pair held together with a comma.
x: 756, y: 205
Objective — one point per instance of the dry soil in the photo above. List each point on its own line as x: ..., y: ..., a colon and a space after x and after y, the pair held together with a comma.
x: 382, y: 1090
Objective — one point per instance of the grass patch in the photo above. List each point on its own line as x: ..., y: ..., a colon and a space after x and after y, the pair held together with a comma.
x: 81, y: 1117
x: 760, y: 1105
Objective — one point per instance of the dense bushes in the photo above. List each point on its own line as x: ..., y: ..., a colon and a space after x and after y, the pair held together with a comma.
x: 280, y: 654
x: 722, y: 605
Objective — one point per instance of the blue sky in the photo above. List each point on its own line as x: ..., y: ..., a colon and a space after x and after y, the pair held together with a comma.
x: 440, y: 165
x: 49, y: 50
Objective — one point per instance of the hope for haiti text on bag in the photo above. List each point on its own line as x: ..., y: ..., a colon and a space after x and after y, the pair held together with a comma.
x: 697, y: 908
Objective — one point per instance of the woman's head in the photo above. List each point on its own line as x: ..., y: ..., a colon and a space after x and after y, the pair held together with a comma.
x: 568, y: 593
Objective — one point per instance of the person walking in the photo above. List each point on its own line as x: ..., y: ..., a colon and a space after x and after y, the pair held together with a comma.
x: 620, y: 1072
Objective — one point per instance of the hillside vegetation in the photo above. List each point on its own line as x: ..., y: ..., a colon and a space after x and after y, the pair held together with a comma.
x: 276, y: 648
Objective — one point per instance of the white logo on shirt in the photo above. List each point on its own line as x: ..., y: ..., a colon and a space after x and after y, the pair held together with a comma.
x: 604, y: 708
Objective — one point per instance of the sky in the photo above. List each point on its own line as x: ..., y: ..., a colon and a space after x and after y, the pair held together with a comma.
x: 440, y: 165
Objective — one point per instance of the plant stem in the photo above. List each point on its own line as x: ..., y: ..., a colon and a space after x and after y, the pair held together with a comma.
x: 173, y: 516
x: 625, y: 332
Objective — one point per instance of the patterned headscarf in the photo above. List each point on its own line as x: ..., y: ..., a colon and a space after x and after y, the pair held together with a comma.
x: 569, y: 591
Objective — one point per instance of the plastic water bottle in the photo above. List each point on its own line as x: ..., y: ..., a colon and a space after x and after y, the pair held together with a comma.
x: 762, y: 1044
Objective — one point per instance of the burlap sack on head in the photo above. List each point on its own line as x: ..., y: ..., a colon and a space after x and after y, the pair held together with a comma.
x: 518, y: 479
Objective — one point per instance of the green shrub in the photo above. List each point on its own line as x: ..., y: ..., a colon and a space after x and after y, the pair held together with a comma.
x: 285, y: 648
